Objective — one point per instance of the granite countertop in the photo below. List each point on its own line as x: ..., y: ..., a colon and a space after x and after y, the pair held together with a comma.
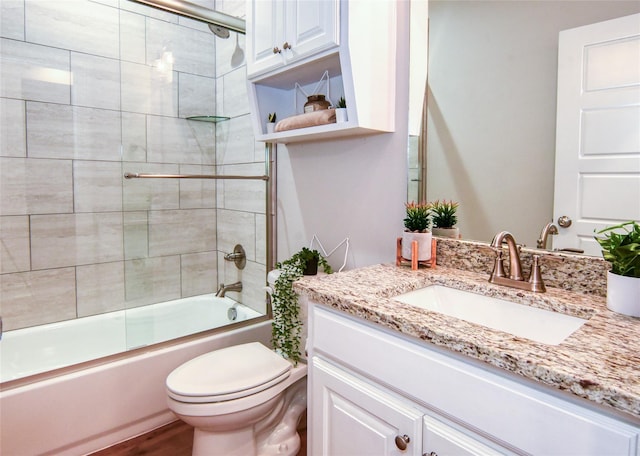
x: 599, y: 362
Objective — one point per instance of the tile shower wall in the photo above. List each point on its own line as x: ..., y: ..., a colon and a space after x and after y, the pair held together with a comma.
x: 90, y: 90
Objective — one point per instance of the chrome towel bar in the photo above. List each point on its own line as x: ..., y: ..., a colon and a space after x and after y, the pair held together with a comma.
x: 191, y: 176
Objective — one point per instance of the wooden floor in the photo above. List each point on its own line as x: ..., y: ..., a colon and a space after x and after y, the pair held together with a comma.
x: 175, y: 439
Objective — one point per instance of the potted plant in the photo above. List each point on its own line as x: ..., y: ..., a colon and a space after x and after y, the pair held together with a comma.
x: 271, y: 122
x: 444, y: 218
x: 287, y: 327
x: 622, y: 250
x: 341, y: 110
x: 416, y: 224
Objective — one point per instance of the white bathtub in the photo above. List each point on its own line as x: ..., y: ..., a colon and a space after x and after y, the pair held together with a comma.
x: 84, y: 410
x: 43, y: 348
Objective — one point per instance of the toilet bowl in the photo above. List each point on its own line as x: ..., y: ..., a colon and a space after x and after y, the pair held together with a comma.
x: 242, y: 400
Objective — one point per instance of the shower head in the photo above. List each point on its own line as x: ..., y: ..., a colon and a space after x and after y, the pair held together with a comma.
x: 219, y: 31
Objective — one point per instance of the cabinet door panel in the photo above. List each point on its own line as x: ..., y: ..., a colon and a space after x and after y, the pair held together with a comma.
x: 265, y: 20
x: 444, y: 440
x: 350, y: 417
x: 312, y: 26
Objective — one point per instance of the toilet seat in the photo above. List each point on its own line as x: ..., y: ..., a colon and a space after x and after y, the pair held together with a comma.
x: 227, y: 374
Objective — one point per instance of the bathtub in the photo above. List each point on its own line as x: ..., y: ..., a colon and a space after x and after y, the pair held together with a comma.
x: 94, y: 405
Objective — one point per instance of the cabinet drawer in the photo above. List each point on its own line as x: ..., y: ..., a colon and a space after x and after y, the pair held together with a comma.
x: 524, y: 417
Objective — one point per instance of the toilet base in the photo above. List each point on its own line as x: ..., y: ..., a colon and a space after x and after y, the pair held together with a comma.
x: 230, y: 443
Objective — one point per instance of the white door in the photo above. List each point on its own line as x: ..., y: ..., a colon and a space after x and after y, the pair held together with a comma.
x: 265, y: 24
x: 597, y: 173
x: 350, y: 417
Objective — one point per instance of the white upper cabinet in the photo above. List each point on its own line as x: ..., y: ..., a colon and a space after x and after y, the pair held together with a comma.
x: 282, y: 32
x: 338, y: 48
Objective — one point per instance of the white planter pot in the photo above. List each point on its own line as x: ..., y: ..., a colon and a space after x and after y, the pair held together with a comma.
x: 623, y: 294
x: 341, y: 115
x: 424, y: 245
x: 270, y: 127
x: 453, y: 232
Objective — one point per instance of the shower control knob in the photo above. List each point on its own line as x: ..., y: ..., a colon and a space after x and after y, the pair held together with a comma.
x: 286, y: 45
x: 564, y: 221
x: 402, y: 441
x: 276, y: 50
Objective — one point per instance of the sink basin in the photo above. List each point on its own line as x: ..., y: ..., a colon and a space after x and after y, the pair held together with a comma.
x: 518, y: 319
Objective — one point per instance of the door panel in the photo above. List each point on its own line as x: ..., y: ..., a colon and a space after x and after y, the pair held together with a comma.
x: 597, y: 180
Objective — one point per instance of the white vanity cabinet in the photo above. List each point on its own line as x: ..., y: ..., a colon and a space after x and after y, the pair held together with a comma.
x: 325, y: 46
x: 286, y: 31
x: 369, y: 385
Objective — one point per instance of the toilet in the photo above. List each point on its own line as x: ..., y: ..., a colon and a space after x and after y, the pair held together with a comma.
x: 242, y: 400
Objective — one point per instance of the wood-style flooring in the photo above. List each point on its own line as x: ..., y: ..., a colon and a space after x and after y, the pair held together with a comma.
x: 175, y: 439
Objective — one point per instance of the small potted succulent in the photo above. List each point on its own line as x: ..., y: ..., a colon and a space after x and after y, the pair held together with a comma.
x: 271, y: 122
x: 621, y: 247
x: 287, y: 327
x: 444, y: 218
x: 416, y: 224
x: 341, y: 110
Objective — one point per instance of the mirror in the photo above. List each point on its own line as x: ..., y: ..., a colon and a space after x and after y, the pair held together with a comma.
x: 490, y: 130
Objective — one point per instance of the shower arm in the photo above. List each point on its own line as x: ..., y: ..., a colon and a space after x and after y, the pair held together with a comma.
x: 199, y: 13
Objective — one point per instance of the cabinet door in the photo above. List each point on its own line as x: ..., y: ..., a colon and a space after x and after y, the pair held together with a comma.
x: 443, y: 439
x: 265, y: 25
x: 351, y: 417
x: 311, y: 26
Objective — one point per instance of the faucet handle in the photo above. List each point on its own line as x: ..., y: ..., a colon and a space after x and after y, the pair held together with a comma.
x: 535, y: 279
x: 498, y: 267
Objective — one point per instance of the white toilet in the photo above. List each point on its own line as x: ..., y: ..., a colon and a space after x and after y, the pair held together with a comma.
x: 242, y: 400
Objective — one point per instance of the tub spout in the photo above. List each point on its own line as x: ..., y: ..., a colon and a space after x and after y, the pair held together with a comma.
x: 222, y: 289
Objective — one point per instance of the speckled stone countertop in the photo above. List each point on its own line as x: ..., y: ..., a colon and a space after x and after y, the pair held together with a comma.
x: 599, y: 362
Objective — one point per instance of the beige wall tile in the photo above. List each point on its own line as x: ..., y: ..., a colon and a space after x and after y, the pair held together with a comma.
x: 242, y: 195
x: 233, y: 144
x: 193, y: 50
x: 199, y: 273
x: 80, y: 26
x: 13, y: 141
x: 33, y: 72
x: 172, y: 140
x: 136, y: 235
x: 197, y: 95
x: 12, y: 19
x: 132, y: 34
x: 38, y: 297
x: 150, y: 194
x: 96, y: 81
x: 197, y: 193
x: 235, y: 101
x: 57, y: 131
x: 34, y: 186
x: 261, y: 238
x: 182, y: 231
x: 134, y: 137
x: 235, y: 227
x: 14, y: 248
x: 152, y: 280
x: 75, y: 239
x: 100, y: 288
x: 147, y: 90
x: 97, y: 186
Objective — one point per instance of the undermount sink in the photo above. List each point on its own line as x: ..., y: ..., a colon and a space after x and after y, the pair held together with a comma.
x: 539, y: 325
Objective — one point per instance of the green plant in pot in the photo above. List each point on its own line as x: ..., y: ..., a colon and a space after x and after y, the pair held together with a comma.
x: 287, y: 327
x: 416, y: 223
x: 621, y: 247
x: 444, y: 218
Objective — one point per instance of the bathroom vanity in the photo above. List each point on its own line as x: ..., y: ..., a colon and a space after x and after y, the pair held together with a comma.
x: 386, y: 377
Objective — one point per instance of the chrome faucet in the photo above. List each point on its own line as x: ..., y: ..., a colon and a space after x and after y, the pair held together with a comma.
x: 515, y: 278
x: 548, y: 229
x: 222, y: 289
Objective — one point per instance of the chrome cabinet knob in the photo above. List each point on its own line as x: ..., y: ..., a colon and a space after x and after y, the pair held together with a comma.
x: 564, y: 221
x: 433, y: 453
x: 276, y: 50
x: 402, y: 441
x: 286, y: 45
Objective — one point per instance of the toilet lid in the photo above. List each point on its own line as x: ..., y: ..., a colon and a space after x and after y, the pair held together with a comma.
x: 228, y: 373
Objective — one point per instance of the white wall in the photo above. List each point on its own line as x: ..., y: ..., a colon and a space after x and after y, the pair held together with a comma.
x: 492, y: 108
x: 352, y: 188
